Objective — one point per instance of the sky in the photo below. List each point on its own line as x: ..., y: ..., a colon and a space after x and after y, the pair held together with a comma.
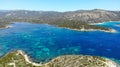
x: 59, y: 5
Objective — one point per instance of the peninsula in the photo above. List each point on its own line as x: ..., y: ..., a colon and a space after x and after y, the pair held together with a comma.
x: 20, y: 59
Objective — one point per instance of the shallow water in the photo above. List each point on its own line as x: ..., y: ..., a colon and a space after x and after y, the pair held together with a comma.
x: 43, y: 42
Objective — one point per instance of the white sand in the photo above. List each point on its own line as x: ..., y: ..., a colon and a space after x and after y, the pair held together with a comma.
x: 27, y: 59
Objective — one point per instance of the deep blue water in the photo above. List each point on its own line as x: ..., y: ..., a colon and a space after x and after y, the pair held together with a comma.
x: 43, y: 42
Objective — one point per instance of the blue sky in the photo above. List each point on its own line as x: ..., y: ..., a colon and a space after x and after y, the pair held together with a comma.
x: 59, y: 5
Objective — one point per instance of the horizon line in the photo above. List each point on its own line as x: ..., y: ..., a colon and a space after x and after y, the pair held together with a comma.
x: 58, y: 10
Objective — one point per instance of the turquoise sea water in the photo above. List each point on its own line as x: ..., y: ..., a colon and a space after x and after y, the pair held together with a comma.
x: 43, y: 42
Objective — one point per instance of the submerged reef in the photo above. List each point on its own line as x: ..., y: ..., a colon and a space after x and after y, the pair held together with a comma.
x: 20, y: 59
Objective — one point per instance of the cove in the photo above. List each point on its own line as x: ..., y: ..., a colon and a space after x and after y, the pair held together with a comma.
x: 42, y: 42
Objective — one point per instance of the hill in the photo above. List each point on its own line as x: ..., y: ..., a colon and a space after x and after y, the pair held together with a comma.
x: 61, y: 19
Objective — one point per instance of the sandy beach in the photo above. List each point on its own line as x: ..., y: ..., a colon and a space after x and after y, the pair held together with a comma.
x: 27, y: 58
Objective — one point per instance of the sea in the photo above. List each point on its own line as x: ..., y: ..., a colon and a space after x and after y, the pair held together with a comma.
x: 43, y: 42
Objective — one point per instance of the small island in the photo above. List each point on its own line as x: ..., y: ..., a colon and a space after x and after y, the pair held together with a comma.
x: 20, y: 59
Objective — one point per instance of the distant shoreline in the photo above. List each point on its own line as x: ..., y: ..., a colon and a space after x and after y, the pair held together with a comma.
x: 89, y: 30
x: 102, y: 22
x: 85, y: 30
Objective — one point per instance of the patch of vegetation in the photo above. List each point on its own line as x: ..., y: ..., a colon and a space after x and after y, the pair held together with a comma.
x: 79, y: 25
x: 77, y: 61
x: 14, y: 59
x: 58, y: 22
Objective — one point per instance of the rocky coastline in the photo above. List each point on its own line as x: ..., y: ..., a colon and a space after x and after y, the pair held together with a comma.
x: 89, y: 30
x: 19, y: 58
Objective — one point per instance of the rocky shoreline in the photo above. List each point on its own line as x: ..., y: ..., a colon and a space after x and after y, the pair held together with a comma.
x: 84, y: 30
x: 6, y: 26
x: 19, y: 58
x: 89, y: 30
